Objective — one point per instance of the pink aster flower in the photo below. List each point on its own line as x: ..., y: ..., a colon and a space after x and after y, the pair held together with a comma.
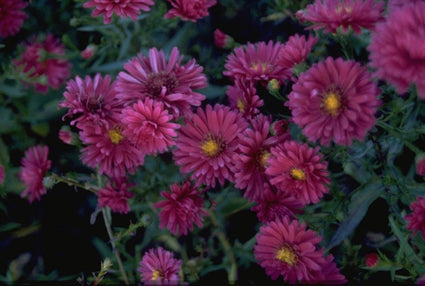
x: 191, y: 10
x: 109, y: 150
x: 88, y: 52
x: 115, y: 195
x: 296, y: 50
x: 298, y: 170
x: 242, y: 96
x: 45, y: 63
x: 285, y: 247
x: 34, y: 166
x: 397, y: 48
x: 91, y: 101
x: 165, y: 81
x: 416, y: 219
x: 256, y: 62
x: 207, y: 143
x: 334, y: 100
x: 346, y: 14
x: 158, y: 266
x: 222, y: 40
x: 182, y: 208
x: 276, y: 205
x: 148, y: 125
x: 393, y: 5
x: 12, y: 17
x: 2, y: 174
x: 123, y: 8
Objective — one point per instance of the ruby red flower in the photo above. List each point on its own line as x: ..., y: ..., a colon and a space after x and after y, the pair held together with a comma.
x: 416, y: 219
x: 34, y: 167
x: 296, y: 50
x: 334, y: 100
x: 158, y: 266
x: 123, y: 8
x: 242, y: 96
x: 115, y: 195
x: 371, y: 259
x: 191, y: 10
x: 12, y: 17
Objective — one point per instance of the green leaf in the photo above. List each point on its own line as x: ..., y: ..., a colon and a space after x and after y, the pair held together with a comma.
x: 8, y: 121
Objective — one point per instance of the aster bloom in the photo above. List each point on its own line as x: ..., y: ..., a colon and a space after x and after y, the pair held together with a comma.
x: 285, y: 247
x: 2, y: 174
x: 191, y: 10
x: 109, y: 150
x: 12, y: 17
x: 115, y: 195
x: 148, y: 126
x: 222, y: 40
x: 276, y: 205
x: 393, y: 5
x: 181, y: 209
x: 298, y: 170
x: 397, y: 48
x: 91, y: 100
x: 164, y: 81
x: 158, y: 266
x: 416, y: 219
x: 334, y: 14
x: 296, y: 50
x: 44, y: 59
x: 122, y: 8
x: 334, y: 100
x: 206, y: 144
x: 256, y: 62
x: 34, y: 166
x: 242, y: 96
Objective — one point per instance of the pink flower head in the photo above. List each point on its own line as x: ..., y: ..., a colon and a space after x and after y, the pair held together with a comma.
x: 147, y: 124
x: 88, y: 52
x: 123, y: 8
x: 296, y: 50
x: 162, y: 80
x: 256, y: 62
x: 420, y: 165
x: 45, y: 59
x: 393, y: 5
x: 115, y: 196
x: 276, y: 205
x: 298, y: 170
x: 416, y: 219
x: 251, y: 160
x: 334, y: 100
x: 2, y: 174
x: 371, y: 259
x: 222, y: 40
x: 12, y: 17
x: 91, y: 101
x: 346, y: 14
x: 285, y: 247
x: 243, y: 97
x: 65, y: 136
x: 207, y: 143
x: 191, y: 10
x: 109, y: 150
x: 158, y: 266
x: 182, y: 208
x: 34, y: 166
x: 397, y: 48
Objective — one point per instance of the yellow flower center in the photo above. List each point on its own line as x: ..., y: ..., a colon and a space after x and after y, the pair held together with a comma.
x: 264, y: 156
x: 287, y: 255
x: 298, y: 174
x: 241, y: 105
x: 115, y: 135
x: 331, y: 103
x: 261, y: 66
x: 210, y: 148
x: 155, y: 275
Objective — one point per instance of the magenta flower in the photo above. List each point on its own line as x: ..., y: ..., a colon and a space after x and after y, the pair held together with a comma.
x: 44, y: 59
x: 206, y: 144
x: 148, y: 126
x: 123, y: 8
x: 91, y: 101
x: 88, y: 52
x: 334, y: 14
x: 191, y: 10
x: 12, y: 17
x: 221, y: 40
x: 296, y: 50
x: 397, y: 48
x: 115, y: 196
x: 2, y: 174
x: 34, y: 166
x: 334, y: 100
x: 416, y: 219
x: 109, y: 150
x: 182, y: 208
x: 243, y: 96
x: 162, y: 80
x: 65, y: 136
x: 298, y: 170
x: 158, y: 266
x: 285, y: 247
x: 420, y: 165
x: 393, y: 5
x: 256, y: 62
